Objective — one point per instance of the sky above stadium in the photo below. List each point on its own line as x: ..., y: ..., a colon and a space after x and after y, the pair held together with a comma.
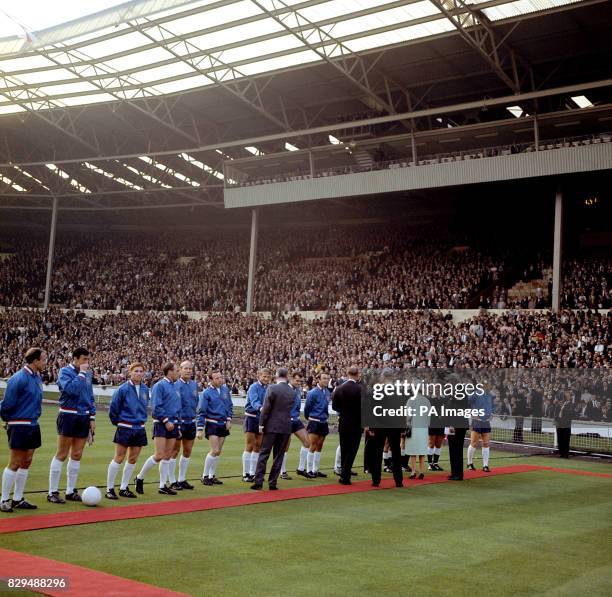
x: 34, y: 15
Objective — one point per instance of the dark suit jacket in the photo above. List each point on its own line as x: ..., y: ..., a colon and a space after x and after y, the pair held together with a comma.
x: 276, y: 410
x: 346, y: 401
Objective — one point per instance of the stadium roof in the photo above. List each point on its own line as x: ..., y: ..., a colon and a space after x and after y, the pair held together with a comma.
x: 142, y: 103
x: 133, y: 51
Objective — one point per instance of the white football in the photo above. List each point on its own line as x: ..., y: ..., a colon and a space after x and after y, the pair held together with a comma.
x: 91, y: 496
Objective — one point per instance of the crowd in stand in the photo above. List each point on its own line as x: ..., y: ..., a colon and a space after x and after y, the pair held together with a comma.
x: 308, y: 269
x: 361, y: 267
x: 239, y: 344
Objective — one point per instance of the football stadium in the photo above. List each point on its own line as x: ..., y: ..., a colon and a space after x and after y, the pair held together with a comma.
x: 306, y: 297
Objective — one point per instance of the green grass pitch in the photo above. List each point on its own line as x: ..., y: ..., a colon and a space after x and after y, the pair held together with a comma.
x: 537, y: 533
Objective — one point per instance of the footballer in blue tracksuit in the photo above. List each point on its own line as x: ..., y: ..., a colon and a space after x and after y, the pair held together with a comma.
x: 20, y: 410
x: 252, y: 436
x: 166, y: 403
x: 297, y: 428
x: 481, y: 429
x: 76, y: 422
x: 215, y: 412
x: 128, y: 412
x: 316, y: 411
x: 188, y: 391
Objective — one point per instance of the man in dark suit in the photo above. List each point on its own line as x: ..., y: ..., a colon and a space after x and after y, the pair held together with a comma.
x: 563, y: 423
x: 457, y: 428
x: 275, y: 424
x: 346, y: 401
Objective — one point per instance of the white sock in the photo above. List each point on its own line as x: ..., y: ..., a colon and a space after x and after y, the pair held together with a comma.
x: 317, y: 461
x: 207, y: 465
x: 213, y: 466
x: 310, y: 461
x: 111, y: 475
x: 246, y: 463
x: 55, y: 472
x: 338, y: 462
x: 8, y: 478
x: 303, y: 456
x: 485, y: 457
x: 21, y: 476
x: 470, y: 454
x: 163, y: 472
x: 72, y: 474
x: 183, y: 464
x: 146, y: 467
x: 430, y: 451
x: 254, y: 459
x: 386, y: 455
x: 437, y: 451
x: 128, y: 470
x: 284, y: 465
x: 172, y: 470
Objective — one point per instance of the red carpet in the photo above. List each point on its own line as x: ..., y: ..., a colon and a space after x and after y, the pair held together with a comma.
x: 13, y: 524
x: 81, y: 581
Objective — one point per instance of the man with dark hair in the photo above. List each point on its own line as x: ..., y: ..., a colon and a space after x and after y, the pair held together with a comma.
x: 297, y: 429
x: 21, y: 409
x: 346, y: 401
x: 215, y: 412
x: 252, y: 437
x: 166, y: 404
x: 316, y: 410
x: 275, y: 425
x: 76, y: 423
x: 128, y: 411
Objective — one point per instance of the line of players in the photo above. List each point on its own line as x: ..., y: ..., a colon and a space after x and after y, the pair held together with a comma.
x: 179, y: 415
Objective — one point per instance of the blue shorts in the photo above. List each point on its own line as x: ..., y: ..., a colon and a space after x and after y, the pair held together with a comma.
x: 251, y: 424
x: 218, y: 429
x: 318, y: 428
x: 124, y: 436
x: 23, y: 437
x: 296, y: 426
x: 481, y: 427
x: 188, y: 430
x: 70, y: 425
x: 159, y: 430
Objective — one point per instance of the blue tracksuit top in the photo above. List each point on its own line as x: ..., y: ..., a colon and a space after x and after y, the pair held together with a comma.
x: 22, y: 398
x: 189, y: 399
x: 127, y: 406
x: 76, y: 392
x: 255, y: 398
x: 166, y: 402
x: 215, y: 406
x: 317, y: 404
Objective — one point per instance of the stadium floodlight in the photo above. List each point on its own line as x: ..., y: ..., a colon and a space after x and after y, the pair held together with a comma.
x: 252, y: 149
x: 333, y: 140
x: 582, y: 101
x: 73, y: 181
x: 32, y: 177
x: 170, y: 171
x: 110, y: 175
x: 144, y: 175
x: 291, y: 147
x: 516, y: 111
x: 8, y: 181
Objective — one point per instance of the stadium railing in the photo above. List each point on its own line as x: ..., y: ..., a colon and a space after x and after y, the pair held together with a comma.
x: 587, y: 436
x: 427, y: 160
